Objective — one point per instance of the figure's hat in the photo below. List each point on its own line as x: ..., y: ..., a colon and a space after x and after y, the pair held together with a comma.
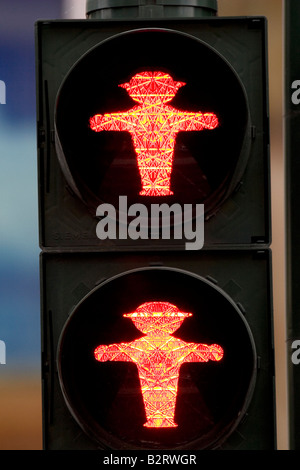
x: 151, y: 83
x: 157, y: 309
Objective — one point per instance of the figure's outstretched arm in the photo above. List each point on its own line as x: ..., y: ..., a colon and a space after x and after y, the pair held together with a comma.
x: 203, y: 352
x: 114, y: 352
x: 109, y: 122
x: 196, y: 121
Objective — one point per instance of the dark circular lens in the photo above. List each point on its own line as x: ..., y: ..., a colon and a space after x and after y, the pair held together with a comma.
x: 101, y: 166
x: 106, y: 398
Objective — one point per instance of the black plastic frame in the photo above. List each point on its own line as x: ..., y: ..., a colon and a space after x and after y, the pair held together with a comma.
x: 244, y: 278
x: 244, y: 219
x: 236, y: 254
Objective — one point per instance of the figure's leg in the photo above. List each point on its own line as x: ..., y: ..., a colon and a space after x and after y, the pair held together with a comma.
x: 155, y: 170
x: 159, y: 402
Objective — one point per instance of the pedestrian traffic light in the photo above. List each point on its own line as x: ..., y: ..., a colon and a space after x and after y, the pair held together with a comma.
x: 199, y: 327
x: 212, y: 163
x: 155, y: 233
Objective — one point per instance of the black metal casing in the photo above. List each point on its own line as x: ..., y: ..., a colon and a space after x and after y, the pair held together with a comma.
x: 224, y: 63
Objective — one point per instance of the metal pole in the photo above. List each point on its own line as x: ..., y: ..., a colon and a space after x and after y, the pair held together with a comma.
x: 122, y: 9
x: 292, y: 156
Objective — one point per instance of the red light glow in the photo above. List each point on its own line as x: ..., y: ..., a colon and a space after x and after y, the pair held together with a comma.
x: 158, y: 356
x: 153, y: 126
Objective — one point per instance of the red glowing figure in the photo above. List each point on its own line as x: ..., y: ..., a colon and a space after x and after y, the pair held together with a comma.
x: 153, y: 126
x: 158, y: 356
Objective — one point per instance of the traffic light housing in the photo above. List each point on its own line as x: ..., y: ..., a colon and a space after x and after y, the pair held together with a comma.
x: 206, y: 79
x: 216, y: 168
x: 103, y: 401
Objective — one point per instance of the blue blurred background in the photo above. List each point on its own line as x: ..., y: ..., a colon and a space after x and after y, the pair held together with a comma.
x: 19, y: 287
x: 20, y: 397
x: 20, y: 383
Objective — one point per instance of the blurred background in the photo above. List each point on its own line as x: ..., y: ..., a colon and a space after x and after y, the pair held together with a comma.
x: 20, y: 387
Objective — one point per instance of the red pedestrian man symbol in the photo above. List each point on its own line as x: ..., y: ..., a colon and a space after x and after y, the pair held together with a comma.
x: 158, y: 356
x: 153, y: 126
